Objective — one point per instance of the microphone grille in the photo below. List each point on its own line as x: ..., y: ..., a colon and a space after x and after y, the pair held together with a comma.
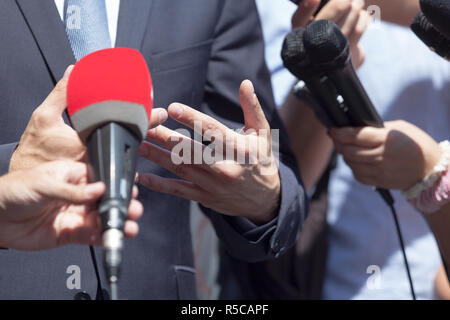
x: 438, y: 13
x: 325, y: 42
x: 295, y: 57
x: 293, y: 49
x: 430, y: 35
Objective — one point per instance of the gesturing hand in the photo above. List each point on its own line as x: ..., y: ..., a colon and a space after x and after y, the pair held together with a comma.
x: 394, y: 157
x: 52, y: 205
x: 220, y: 181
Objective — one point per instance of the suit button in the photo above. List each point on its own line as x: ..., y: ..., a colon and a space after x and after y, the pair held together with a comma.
x: 82, y: 296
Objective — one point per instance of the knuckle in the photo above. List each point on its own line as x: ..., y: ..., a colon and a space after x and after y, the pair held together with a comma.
x: 40, y: 116
x: 179, y: 170
x: 175, y: 190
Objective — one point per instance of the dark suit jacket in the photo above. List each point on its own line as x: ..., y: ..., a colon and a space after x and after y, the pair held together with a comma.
x: 198, y: 52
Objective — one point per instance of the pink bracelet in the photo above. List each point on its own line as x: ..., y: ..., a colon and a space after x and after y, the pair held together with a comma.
x: 435, y: 197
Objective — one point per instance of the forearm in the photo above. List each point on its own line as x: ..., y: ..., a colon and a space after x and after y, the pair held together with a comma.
x: 401, y: 12
x: 309, y: 140
x: 439, y: 223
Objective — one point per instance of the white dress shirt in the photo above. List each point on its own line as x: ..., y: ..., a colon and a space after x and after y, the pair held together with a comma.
x: 112, y: 11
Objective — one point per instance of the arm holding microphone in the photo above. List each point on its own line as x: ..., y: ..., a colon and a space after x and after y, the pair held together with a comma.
x: 400, y: 156
x: 52, y: 205
x: 47, y: 139
x: 310, y: 142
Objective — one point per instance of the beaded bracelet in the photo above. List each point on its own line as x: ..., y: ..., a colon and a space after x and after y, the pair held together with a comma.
x: 433, y: 192
x: 433, y: 176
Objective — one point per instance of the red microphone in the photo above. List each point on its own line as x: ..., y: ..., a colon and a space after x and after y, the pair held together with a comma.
x: 109, y: 103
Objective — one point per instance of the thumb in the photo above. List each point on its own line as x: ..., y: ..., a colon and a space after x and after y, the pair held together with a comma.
x: 56, y: 102
x: 253, y: 113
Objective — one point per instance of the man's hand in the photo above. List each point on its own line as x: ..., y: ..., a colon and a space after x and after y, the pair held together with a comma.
x: 48, y: 138
x: 249, y: 188
x: 395, y: 157
x: 349, y: 15
x: 52, y: 205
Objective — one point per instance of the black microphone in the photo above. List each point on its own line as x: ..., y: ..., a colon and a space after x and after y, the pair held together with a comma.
x: 296, y: 60
x: 429, y: 35
x: 438, y: 13
x: 329, y: 51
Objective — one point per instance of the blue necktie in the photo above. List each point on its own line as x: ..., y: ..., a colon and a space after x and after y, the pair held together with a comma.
x: 86, y: 26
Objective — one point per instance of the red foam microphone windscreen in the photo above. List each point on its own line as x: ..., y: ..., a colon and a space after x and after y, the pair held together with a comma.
x: 118, y: 74
x: 110, y: 85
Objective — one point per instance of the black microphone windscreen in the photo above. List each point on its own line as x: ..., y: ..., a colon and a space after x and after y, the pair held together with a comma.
x: 295, y: 57
x: 438, y: 13
x: 430, y: 35
x: 325, y: 43
x: 293, y: 50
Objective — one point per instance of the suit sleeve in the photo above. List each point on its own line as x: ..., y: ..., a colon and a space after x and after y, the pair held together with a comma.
x: 238, y: 54
x: 6, y: 151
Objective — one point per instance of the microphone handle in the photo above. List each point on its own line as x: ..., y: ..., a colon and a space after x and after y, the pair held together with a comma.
x: 325, y: 94
x: 361, y: 111
x: 113, y: 154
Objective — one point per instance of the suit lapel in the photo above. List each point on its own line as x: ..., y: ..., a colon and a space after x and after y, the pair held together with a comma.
x: 48, y: 30
x: 133, y: 20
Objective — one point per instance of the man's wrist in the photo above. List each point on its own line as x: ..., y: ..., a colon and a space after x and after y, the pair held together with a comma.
x: 270, y: 212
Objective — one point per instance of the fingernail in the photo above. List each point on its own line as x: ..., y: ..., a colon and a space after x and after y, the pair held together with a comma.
x: 67, y: 72
x: 250, y: 84
x: 162, y: 116
x: 176, y: 110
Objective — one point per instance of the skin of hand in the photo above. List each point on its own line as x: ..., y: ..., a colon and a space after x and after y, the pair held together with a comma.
x: 401, y: 12
x: 250, y: 190
x: 395, y: 157
x: 349, y: 15
x: 52, y: 205
x: 441, y: 284
x: 47, y: 137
